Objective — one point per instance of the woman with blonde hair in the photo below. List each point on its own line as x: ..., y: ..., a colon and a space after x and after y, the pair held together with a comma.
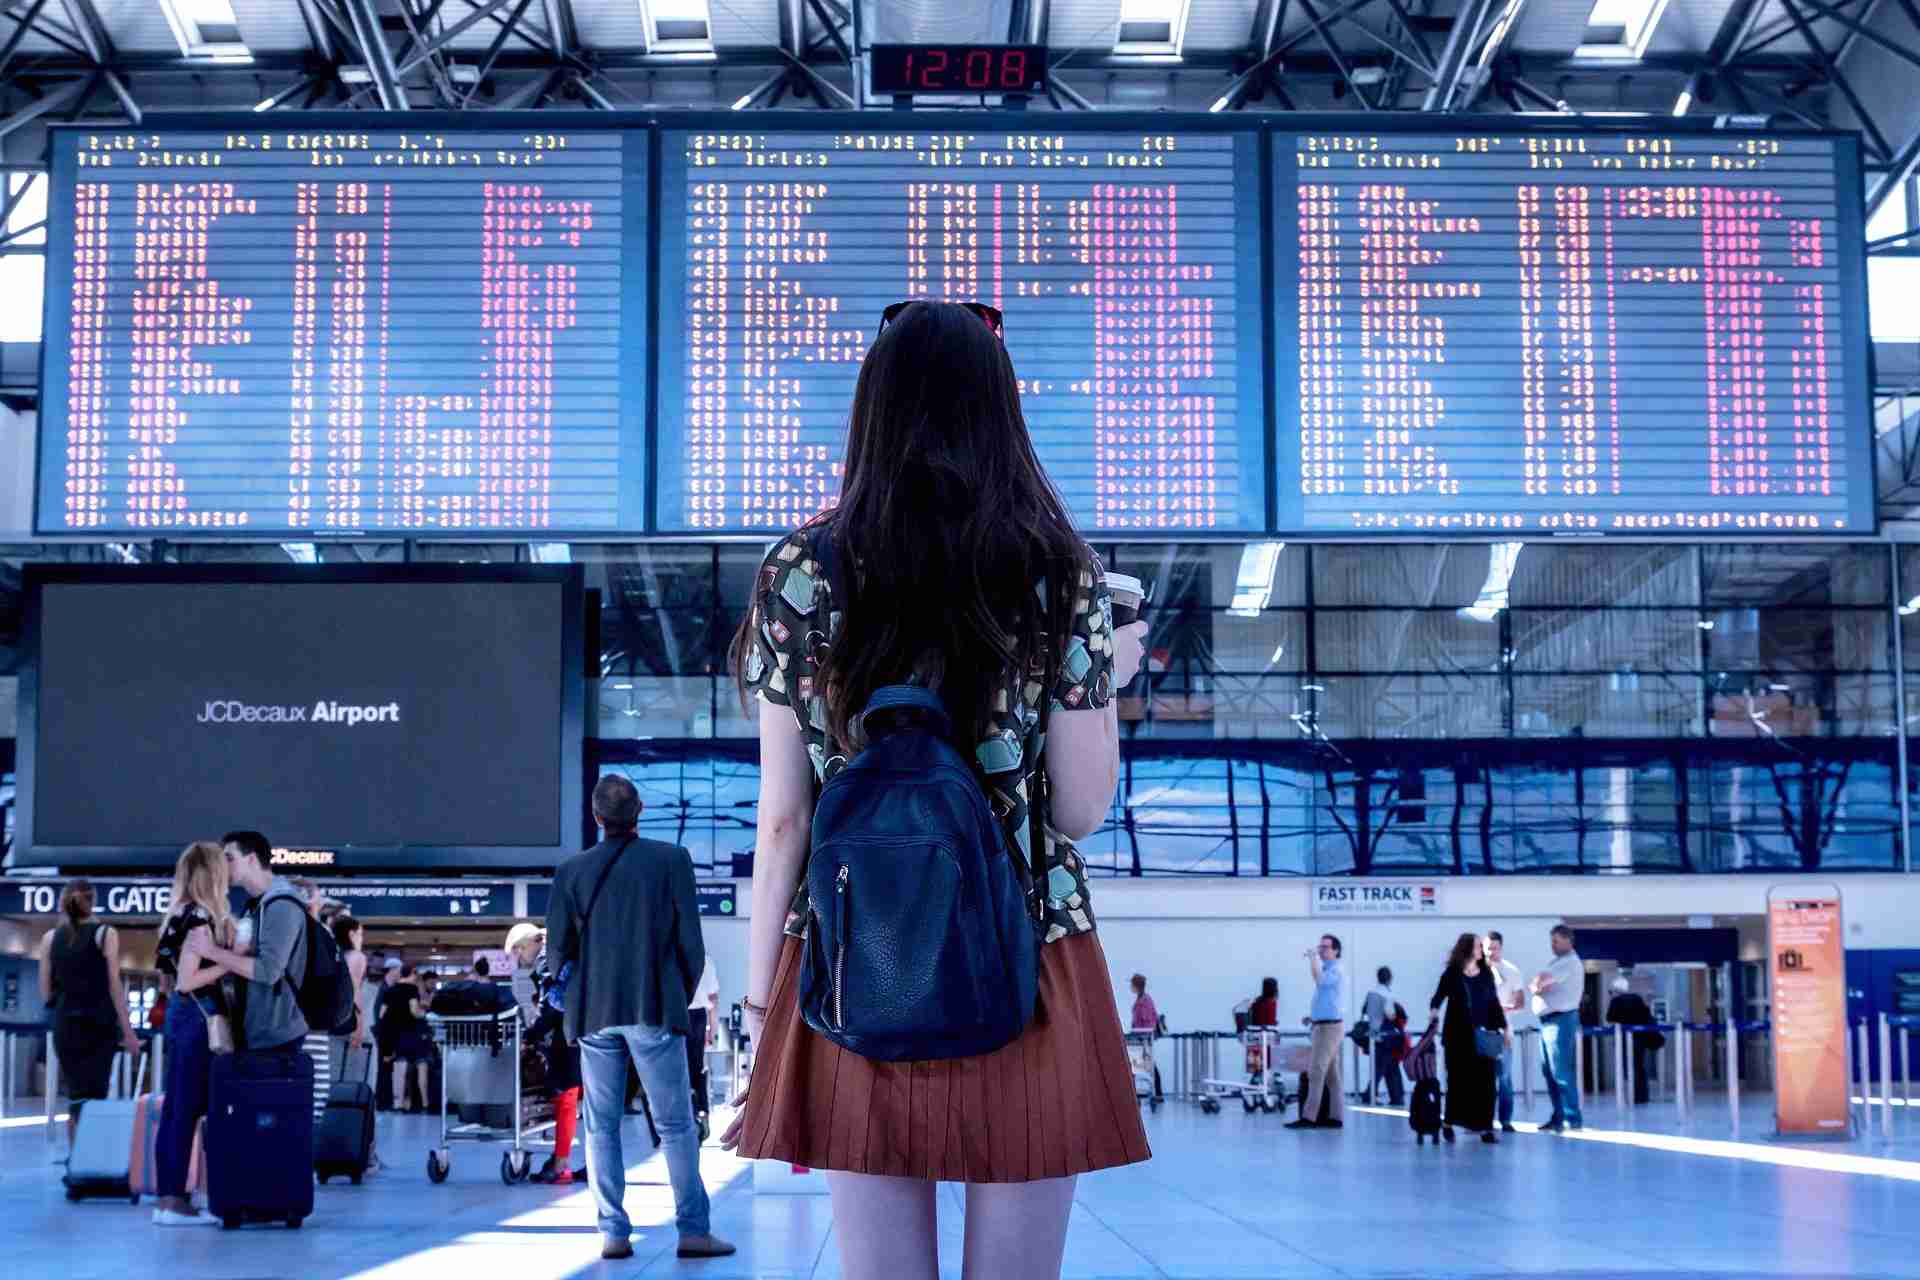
x: 199, y: 998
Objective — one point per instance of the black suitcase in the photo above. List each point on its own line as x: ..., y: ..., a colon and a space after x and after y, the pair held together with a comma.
x: 1423, y: 1116
x: 260, y: 1138
x: 1326, y: 1101
x: 343, y: 1143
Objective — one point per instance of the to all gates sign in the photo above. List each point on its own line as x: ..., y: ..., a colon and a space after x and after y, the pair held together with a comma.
x: 1376, y: 898
x: 110, y: 898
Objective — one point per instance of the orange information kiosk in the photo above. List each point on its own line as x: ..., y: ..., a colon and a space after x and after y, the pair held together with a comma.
x: 1807, y: 956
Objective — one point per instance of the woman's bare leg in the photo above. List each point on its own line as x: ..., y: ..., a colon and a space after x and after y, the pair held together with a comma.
x: 887, y: 1227
x: 1017, y: 1230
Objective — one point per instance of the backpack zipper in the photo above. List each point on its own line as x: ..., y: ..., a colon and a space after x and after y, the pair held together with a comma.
x: 840, y: 948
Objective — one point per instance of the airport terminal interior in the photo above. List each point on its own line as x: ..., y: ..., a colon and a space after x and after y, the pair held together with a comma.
x: 1497, y: 423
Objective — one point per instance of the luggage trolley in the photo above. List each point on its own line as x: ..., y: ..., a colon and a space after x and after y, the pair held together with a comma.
x: 1140, y: 1060
x: 1265, y: 1088
x: 472, y: 1042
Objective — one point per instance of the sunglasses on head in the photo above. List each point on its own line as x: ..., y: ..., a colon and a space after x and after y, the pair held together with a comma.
x: 989, y: 316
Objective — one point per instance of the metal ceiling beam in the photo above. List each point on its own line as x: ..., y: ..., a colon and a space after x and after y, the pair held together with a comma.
x: 1454, y: 54
x: 38, y: 22
x: 379, y: 58
x: 20, y: 30
x: 492, y: 56
x: 1839, y: 81
x: 562, y: 28
x: 54, y: 100
x: 417, y: 26
x: 429, y: 47
x: 1902, y: 167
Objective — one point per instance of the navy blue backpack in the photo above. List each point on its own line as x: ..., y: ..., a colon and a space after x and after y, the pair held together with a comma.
x: 922, y: 944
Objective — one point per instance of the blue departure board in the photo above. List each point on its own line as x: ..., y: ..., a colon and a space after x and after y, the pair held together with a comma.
x: 1545, y: 333
x: 1126, y: 263
x: 579, y: 325
x: 377, y: 328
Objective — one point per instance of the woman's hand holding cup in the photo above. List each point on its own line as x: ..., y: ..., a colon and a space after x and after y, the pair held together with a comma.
x: 1129, y: 633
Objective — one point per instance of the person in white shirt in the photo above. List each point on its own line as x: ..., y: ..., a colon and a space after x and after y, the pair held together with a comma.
x: 1511, y: 990
x: 1388, y: 1038
x: 1556, y: 999
x: 703, y: 1020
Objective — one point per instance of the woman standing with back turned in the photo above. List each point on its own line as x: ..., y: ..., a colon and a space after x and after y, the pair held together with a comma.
x: 956, y: 566
x: 80, y: 982
x: 1473, y: 1006
x: 199, y: 902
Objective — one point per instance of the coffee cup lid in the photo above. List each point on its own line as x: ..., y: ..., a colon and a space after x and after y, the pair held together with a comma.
x: 1125, y: 582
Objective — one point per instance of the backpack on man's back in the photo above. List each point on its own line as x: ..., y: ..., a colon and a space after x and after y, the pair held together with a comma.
x: 324, y: 990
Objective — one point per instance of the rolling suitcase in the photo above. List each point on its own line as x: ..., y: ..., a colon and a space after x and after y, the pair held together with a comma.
x: 260, y: 1138
x: 1424, y: 1115
x: 101, y: 1162
x: 1326, y: 1101
x: 343, y: 1144
x: 143, y: 1173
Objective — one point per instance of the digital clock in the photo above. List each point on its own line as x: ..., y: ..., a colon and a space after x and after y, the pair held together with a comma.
x: 959, y: 68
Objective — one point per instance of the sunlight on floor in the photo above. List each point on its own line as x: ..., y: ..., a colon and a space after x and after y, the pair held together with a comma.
x: 572, y: 1215
x: 1785, y: 1157
x: 27, y: 1122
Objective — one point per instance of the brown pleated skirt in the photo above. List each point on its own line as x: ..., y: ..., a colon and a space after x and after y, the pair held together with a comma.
x: 1057, y: 1101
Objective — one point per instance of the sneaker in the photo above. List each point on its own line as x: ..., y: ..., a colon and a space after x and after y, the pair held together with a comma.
x: 1506, y: 1126
x: 564, y: 1178
x: 1554, y: 1126
x: 1302, y: 1124
x: 707, y: 1246
x: 1577, y: 1125
x: 171, y: 1218
x: 1333, y: 1124
x: 1490, y: 1138
x: 613, y: 1250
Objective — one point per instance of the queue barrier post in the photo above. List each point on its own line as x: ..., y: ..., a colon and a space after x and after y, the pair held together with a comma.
x: 1733, y: 1075
x: 1683, y: 1069
x: 1622, y: 1095
x: 1861, y: 1076
x: 1886, y: 1079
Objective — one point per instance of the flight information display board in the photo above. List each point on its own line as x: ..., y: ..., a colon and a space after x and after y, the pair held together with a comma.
x: 571, y: 324
x: 1535, y: 333
x: 394, y: 329
x: 1127, y: 265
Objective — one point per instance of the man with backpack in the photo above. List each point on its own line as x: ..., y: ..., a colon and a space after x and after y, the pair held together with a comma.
x: 271, y: 953
x: 623, y: 929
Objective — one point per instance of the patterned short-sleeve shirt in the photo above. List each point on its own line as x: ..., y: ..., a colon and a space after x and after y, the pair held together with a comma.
x: 794, y: 623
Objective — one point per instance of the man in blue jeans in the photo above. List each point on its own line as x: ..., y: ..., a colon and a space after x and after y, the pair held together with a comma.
x: 1556, y: 998
x: 623, y: 914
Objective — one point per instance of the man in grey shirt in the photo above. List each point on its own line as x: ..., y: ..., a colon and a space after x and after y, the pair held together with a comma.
x: 272, y: 964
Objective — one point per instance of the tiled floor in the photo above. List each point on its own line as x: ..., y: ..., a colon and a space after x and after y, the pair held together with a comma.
x: 1226, y: 1196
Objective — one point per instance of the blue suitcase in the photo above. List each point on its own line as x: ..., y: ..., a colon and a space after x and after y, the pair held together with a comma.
x: 260, y: 1138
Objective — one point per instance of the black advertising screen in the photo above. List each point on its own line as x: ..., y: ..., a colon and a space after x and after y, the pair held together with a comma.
x: 1580, y: 333
x: 410, y: 718
x: 1126, y: 263
x: 390, y: 327
x: 573, y: 324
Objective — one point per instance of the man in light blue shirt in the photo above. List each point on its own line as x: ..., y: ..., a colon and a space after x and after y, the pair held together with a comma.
x: 1327, y: 1019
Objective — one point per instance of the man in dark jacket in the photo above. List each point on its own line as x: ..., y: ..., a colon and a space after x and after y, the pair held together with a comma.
x: 1627, y: 1009
x: 624, y: 914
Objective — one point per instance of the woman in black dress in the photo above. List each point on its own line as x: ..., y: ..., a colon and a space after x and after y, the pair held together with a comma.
x: 1467, y: 990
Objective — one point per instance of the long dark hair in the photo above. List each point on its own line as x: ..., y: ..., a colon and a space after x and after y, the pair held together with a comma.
x: 76, y: 904
x: 945, y: 524
x: 1462, y: 954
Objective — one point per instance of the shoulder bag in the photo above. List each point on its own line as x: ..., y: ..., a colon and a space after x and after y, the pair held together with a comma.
x: 559, y: 992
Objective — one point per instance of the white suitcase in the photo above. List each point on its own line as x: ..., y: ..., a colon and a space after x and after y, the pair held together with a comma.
x: 102, y: 1156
